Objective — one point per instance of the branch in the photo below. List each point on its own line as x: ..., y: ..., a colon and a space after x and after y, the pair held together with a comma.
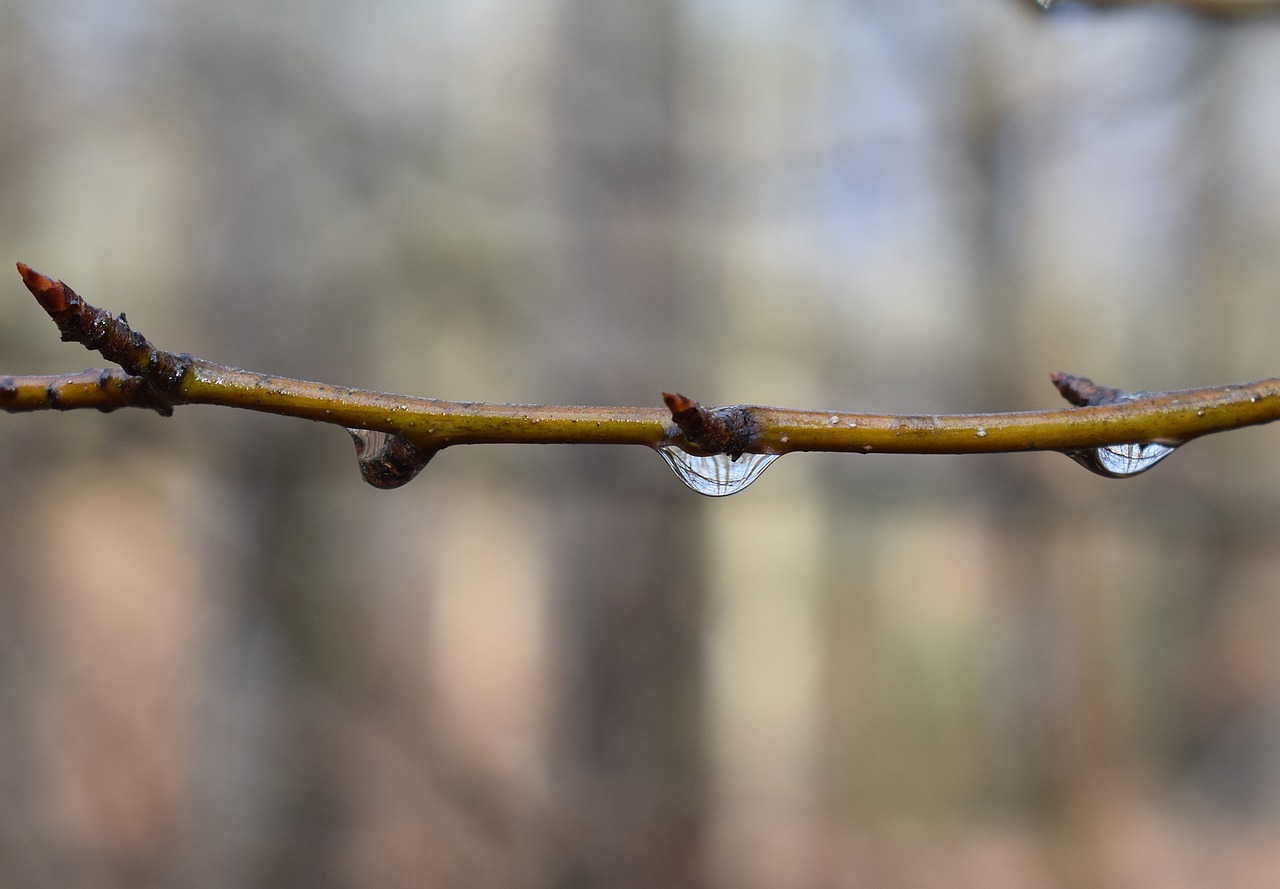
x: 1111, y: 431
x: 1208, y: 7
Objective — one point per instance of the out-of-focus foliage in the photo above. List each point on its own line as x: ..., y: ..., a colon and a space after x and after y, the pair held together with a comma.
x: 228, y: 662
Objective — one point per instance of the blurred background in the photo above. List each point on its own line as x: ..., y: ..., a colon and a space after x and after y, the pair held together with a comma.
x: 226, y: 662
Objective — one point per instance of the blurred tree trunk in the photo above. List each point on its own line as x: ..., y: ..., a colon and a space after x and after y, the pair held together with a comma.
x: 627, y: 765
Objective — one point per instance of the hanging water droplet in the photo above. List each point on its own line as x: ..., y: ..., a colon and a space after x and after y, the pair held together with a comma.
x: 387, y: 460
x: 1121, y: 460
x: 718, y: 475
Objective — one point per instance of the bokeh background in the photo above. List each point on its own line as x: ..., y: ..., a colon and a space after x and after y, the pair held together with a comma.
x: 226, y: 662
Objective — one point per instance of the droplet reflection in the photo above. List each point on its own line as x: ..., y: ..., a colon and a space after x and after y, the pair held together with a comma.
x: 1121, y: 460
x: 718, y: 475
x: 387, y: 460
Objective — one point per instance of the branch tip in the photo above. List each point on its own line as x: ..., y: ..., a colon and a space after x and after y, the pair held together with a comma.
x: 677, y: 403
x: 1084, y: 392
x: 53, y: 296
x: 695, y: 421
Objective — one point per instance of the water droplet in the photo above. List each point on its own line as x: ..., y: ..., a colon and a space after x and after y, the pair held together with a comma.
x: 784, y: 438
x: 852, y: 424
x: 834, y: 420
x: 387, y: 460
x: 1121, y: 460
x: 718, y: 475
x: 981, y: 433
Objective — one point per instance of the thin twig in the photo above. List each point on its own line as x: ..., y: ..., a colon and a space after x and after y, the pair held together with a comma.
x: 1206, y: 7
x: 159, y: 380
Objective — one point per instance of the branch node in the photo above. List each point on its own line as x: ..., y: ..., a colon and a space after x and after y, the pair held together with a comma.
x: 724, y: 430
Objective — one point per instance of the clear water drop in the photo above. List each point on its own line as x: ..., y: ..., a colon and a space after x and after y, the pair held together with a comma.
x: 718, y: 475
x: 387, y: 460
x: 1121, y: 460
x: 368, y: 441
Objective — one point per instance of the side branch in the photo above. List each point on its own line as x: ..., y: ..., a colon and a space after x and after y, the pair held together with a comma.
x: 156, y: 379
x: 105, y: 390
x: 158, y: 372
